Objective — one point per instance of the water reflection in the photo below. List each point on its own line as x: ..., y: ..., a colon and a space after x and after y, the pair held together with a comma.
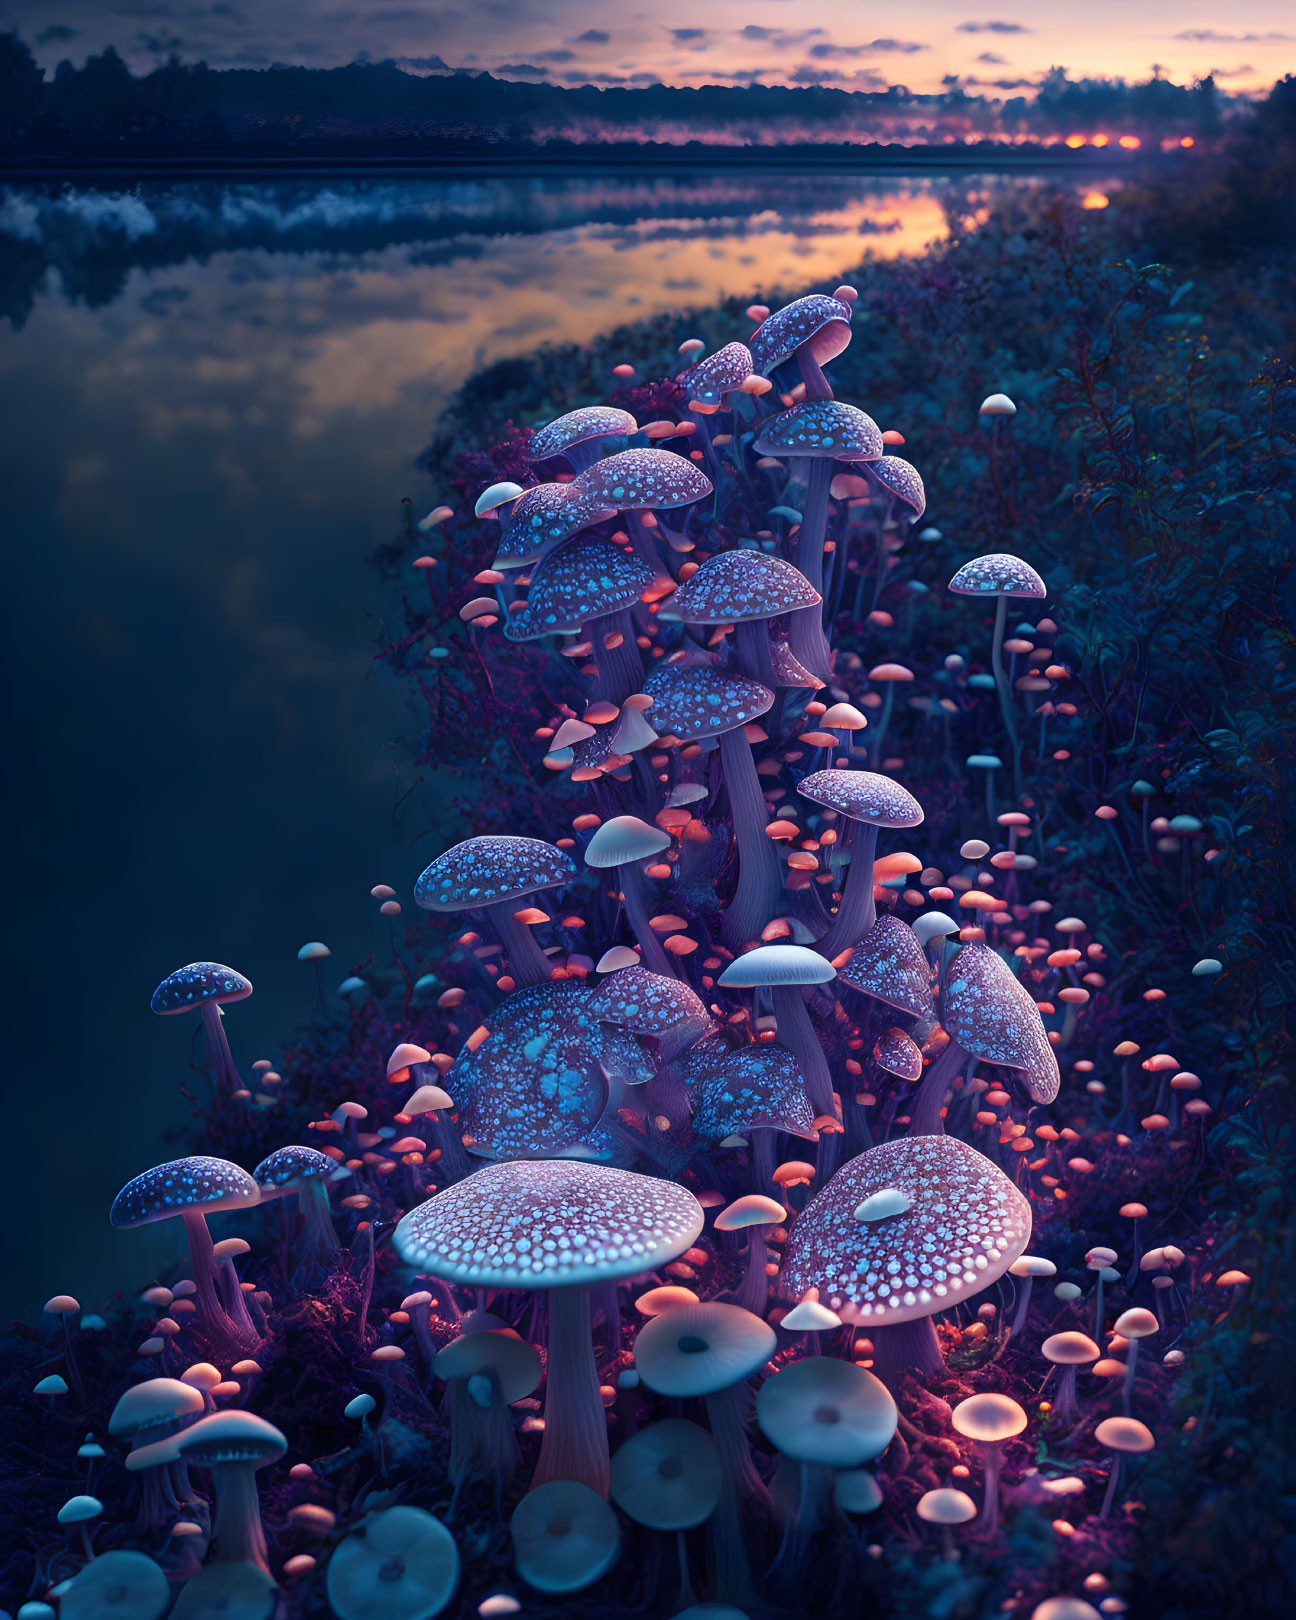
x: 213, y: 395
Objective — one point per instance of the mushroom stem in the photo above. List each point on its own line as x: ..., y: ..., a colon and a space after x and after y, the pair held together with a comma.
x: 988, y: 1520
x: 797, y: 1033
x: 237, y: 1536
x: 1004, y: 690
x: 620, y: 668
x: 900, y: 1348
x: 856, y: 913
x: 1113, y: 1484
x: 1131, y: 1362
x: 755, y: 659
x: 319, y: 1239
x: 759, y: 878
x: 1023, y: 1306
x: 752, y: 1293
x: 928, y: 1101
x: 218, y: 1052
x: 1066, y: 1408
x: 575, y: 1444
x: 635, y: 900
x: 454, y: 1156
x: 527, y: 963
x: 214, y: 1317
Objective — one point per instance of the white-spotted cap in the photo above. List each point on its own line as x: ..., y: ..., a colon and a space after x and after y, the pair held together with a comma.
x: 579, y: 427
x: 863, y: 796
x: 198, y: 1183
x: 991, y: 1014
x: 718, y: 374
x: 689, y: 703
x: 736, y: 587
x: 997, y: 574
x: 965, y: 1225
x: 491, y: 868
x: 821, y: 427
x: 889, y: 965
x: 645, y: 1002
x: 818, y: 321
x: 901, y: 479
x: 637, y: 480
x: 546, y: 1223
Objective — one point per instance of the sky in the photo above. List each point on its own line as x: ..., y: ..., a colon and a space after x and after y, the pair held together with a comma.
x: 691, y: 42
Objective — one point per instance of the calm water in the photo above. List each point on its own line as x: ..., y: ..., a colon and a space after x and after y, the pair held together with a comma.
x: 212, y: 396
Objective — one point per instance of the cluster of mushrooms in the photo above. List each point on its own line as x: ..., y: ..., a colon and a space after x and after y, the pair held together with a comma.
x: 711, y: 1268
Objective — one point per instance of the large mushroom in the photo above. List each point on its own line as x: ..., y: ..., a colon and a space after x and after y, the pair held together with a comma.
x: 145, y: 1414
x: 900, y: 1233
x: 493, y: 872
x: 305, y: 1172
x: 399, y: 1564
x: 888, y: 964
x: 577, y: 437
x: 205, y: 987
x: 192, y: 1189
x: 541, y: 518
x: 638, y: 481
x: 988, y: 1014
x: 559, y: 1226
x: 756, y: 1091
x: 232, y: 1446
x: 867, y: 801
x: 748, y: 590
x: 564, y: 1536
x: 810, y: 331
x: 693, y: 704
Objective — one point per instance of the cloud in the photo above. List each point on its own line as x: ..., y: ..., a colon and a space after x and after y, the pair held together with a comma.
x: 992, y: 28
x: 56, y: 34
x: 592, y: 36
x: 682, y: 35
x: 779, y: 39
x: 904, y: 47
x: 555, y: 56
x: 1231, y: 73
x: 520, y: 70
x: 1208, y: 36
x: 991, y: 60
x: 425, y: 64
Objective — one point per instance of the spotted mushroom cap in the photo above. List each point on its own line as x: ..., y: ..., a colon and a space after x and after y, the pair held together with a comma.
x: 285, y: 1169
x: 889, y: 965
x: 645, y: 1002
x: 537, y: 1085
x: 757, y: 1088
x: 490, y: 869
x: 189, y: 987
x: 736, y: 586
x: 963, y: 1226
x: 863, y: 796
x: 545, y: 1223
x: 788, y: 671
x: 901, y: 479
x: 898, y: 1054
x: 636, y: 480
x: 200, y: 1183
x: 718, y: 374
x: 997, y: 574
x: 689, y: 703
x: 545, y: 516
x: 775, y: 965
x: 578, y: 427
x: 821, y: 427
x: 575, y: 583
x: 991, y: 1014
x: 819, y: 321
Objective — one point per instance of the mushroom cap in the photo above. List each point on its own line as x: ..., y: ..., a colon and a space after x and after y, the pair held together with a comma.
x: 889, y: 965
x: 1124, y: 1434
x: 898, y: 1054
x: 932, y: 925
x: 586, y: 579
x: 810, y: 1317
x: 515, y: 1363
x: 863, y: 796
x: 946, y: 1506
x: 901, y: 479
x: 284, y: 1170
x: 546, y: 1223
x: 117, y: 1585
x: 564, y: 1536
x: 855, y: 1490
x: 752, y: 1209
x: 80, y: 1510
x: 400, y: 1564
x: 991, y: 1014
x: 189, y: 987
x: 490, y: 869
x: 788, y: 671
x: 818, y: 321
x: 199, y: 1183
x: 822, y: 1410
x: 622, y: 839
x: 820, y: 427
x: 155, y: 1403
x: 775, y: 965
x: 668, y: 1475
x: 1136, y: 1323
x: 758, y: 1087
x: 647, y: 1003
x: 226, y: 1592
x: 636, y: 480
x: 965, y: 1225
x: 543, y: 517
x: 997, y: 574
x: 690, y: 703
x: 495, y: 496
x: 231, y: 1436
x: 538, y: 1085
x: 1070, y: 1349
x: 1063, y: 1608
x: 699, y: 1349
x: 988, y: 1418
x: 718, y: 374
x: 1032, y: 1265
x: 736, y: 586
x: 579, y: 427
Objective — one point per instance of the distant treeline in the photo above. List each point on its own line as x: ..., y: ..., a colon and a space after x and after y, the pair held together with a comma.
x: 101, y: 108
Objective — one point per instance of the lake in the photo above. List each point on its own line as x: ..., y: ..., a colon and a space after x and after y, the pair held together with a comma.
x: 213, y: 396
